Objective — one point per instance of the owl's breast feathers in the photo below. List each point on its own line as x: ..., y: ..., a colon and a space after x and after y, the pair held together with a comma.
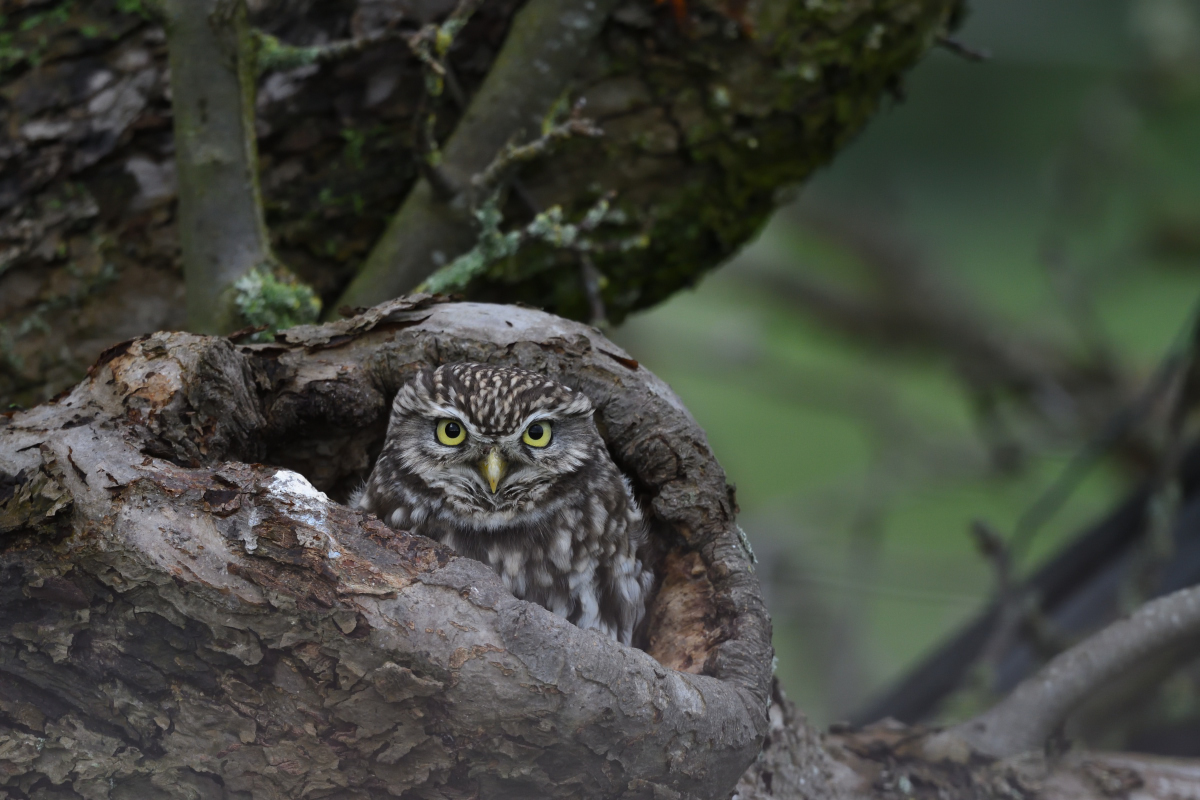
x: 584, y: 562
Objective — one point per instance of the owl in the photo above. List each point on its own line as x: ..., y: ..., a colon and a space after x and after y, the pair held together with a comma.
x: 506, y: 466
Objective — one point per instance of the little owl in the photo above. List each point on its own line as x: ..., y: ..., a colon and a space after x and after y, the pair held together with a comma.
x: 506, y: 466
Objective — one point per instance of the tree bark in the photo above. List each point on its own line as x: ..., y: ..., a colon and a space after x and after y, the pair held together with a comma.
x: 548, y: 40
x: 222, y: 230
x: 707, y: 123
x: 177, y: 618
x: 185, y: 613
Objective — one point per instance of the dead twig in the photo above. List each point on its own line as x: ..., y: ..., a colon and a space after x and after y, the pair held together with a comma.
x: 1116, y: 429
x: 909, y: 305
x: 1162, y: 507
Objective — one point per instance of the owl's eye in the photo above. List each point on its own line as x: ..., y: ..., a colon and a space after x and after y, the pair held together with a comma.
x: 450, y: 432
x: 537, y: 434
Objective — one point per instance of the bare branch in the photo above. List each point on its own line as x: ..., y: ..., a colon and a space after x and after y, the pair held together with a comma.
x: 1025, y: 719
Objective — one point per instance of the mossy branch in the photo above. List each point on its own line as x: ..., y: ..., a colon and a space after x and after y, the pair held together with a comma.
x: 494, y: 245
x: 512, y: 156
x: 270, y: 54
x: 545, y: 45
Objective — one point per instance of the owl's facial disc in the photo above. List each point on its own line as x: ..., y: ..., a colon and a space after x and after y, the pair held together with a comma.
x: 489, y: 447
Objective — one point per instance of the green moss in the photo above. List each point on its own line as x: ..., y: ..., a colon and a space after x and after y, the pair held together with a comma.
x: 274, y: 299
x: 749, y: 127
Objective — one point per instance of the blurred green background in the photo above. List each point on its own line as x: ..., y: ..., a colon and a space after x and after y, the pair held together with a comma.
x: 1047, y: 200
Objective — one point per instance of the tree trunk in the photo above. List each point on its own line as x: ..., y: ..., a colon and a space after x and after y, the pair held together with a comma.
x: 185, y: 613
x: 178, y: 618
x: 707, y: 122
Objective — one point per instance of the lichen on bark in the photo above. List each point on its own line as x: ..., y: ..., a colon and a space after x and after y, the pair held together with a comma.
x: 706, y: 124
x: 706, y: 127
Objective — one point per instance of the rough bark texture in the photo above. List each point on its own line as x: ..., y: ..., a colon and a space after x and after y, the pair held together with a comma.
x: 891, y: 761
x: 545, y: 45
x: 706, y: 123
x: 176, y: 620
x: 184, y: 614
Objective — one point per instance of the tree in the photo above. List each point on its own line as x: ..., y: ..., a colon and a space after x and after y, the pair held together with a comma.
x: 375, y: 123
x: 180, y: 619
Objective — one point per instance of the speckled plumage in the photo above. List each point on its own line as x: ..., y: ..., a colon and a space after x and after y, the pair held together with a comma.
x: 561, y: 528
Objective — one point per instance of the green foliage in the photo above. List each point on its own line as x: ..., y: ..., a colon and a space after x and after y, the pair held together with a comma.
x: 274, y: 299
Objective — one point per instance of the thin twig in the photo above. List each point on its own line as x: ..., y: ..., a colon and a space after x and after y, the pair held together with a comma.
x: 1019, y: 606
x: 991, y: 545
x: 512, y: 156
x: 431, y: 45
x: 1024, y: 720
x: 1117, y: 428
x: 966, y: 51
x: 1162, y: 505
x: 274, y: 55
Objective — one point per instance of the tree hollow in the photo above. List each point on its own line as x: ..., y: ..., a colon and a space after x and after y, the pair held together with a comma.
x: 185, y: 612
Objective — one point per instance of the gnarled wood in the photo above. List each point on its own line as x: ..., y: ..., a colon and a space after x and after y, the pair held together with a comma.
x: 185, y: 613
x: 178, y: 620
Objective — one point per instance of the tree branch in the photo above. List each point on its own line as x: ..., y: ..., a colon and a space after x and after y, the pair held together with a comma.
x: 222, y: 623
x: 547, y: 41
x: 272, y: 54
x: 1025, y: 719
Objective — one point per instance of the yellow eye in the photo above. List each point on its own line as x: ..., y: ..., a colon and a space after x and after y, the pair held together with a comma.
x: 537, y: 434
x: 451, y: 432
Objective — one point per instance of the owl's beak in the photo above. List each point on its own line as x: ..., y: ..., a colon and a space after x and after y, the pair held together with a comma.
x: 492, y: 468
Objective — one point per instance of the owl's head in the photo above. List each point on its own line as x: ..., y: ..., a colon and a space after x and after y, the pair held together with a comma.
x: 495, y: 443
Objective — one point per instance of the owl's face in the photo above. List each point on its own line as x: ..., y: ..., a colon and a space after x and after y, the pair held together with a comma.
x: 495, y: 444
